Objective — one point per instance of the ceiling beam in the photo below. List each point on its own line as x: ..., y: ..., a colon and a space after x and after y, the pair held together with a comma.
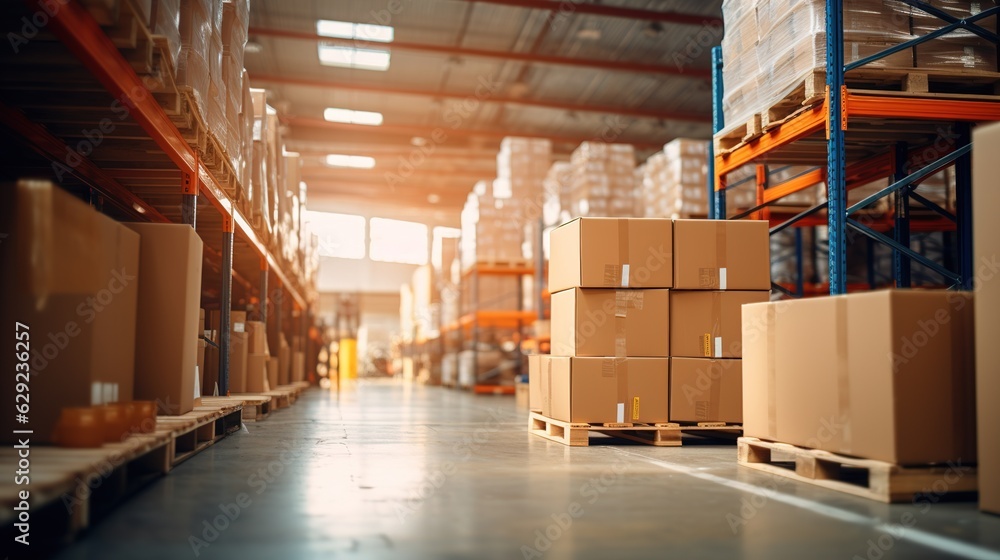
x: 259, y: 79
x: 447, y: 132
x: 583, y: 7
x: 612, y: 65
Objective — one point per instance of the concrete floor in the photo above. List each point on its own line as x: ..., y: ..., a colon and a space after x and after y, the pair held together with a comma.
x: 398, y: 471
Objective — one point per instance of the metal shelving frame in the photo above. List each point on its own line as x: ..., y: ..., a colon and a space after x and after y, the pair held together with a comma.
x: 833, y: 115
x: 77, y: 30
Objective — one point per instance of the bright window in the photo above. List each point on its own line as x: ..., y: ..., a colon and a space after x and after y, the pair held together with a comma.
x: 340, y: 235
x: 348, y: 30
x: 351, y: 57
x: 334, y: 114
x: 398, y: 241
x: 439, y: 233
x: 344, y: 160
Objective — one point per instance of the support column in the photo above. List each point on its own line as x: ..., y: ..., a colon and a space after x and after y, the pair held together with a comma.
x: 836, y: 166
x: 901, y: 229
x: 716, y: 192
x: 963, y: 210
x: 226, y: 303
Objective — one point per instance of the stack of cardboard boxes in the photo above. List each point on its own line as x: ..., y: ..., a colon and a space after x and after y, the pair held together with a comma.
x: 646, y: 319
x: 603, y: 180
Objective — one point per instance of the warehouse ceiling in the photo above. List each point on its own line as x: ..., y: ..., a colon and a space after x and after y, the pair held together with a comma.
x: 463, y: 74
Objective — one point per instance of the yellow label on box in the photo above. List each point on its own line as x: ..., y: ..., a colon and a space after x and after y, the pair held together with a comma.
x: 635, y: 408
x: 707, y: 345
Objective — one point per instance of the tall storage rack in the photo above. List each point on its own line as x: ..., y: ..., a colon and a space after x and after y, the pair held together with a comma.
x: 830, y: 132
x: 141, y: 167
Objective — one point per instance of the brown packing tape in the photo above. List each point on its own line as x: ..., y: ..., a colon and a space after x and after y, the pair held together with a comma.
x: 843, y: 380
x: 624, y: 276
x: 715, y: 388
x: 772, y: 388
x: 621, y: 372
x: 720, y: 253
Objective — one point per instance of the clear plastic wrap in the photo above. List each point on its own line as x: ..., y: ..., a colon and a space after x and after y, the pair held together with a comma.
x: 771, y: 46
x: 522, y: 164
x: 166, y: 22
x: 246, y: 142
x: 235, y: 24
x: 602, y: 180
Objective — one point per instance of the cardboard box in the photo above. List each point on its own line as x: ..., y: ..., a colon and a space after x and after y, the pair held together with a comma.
x: 535, y: 382
x: 256, y: 372
x: 611, y: 253
x: 605, y: 390
x: 167, y: 326
x: 298, y: 366
x: 284, y: 361
x: 884, y: 375
x: 706, y: 390
x: 707, y: 324
x: 256, y: 337
x: 721, y: 255
x: 600, y: 322
x: 272, y: 373
x: 71, y: 275
x: 986, y: 244
x: 238, y: 350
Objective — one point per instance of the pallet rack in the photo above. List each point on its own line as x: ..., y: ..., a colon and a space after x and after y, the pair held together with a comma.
x: 144, y: 168
x: 473, y: 321
x: 838, y: 131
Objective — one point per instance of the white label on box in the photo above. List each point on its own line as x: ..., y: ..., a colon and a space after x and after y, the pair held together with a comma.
x: 621, y: 413
x: 197, y: 383
x: 239, y: 327
x: 718, y: 347
x: 624, y: 276
x: 722, y: 278
x: 96, y: 393
x: 108, y: 391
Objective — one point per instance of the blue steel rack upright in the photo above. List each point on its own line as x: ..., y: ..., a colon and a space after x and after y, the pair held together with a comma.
x: 833, y: 115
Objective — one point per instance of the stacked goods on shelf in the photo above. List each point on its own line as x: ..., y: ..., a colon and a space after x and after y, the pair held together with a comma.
x: 986, y: 244
x: 959, y: 50
x: 603, y: 180
x: 610, y: 280
x: 675, y: 182
x: 70, y: 277
x: 166, y: 331
x: 884, y: 375
x: 426, y: 303
x: 258, y: 356
x: 718, y: 267
x: 522, y: 165
x: 492, y: 228
x: 558, y: 184
x: 772, y: 46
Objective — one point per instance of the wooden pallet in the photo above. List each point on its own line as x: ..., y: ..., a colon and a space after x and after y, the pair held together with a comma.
x: 284, y: 396
x: 256, y: 407
x: 807, y: 93
x: 71, y: 489
x: 668, y: 434
x: 875, y: 480
x: 191, y: 433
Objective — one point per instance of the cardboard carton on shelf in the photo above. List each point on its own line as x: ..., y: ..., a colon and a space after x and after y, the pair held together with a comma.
x: 167, y: 326
x: 707, y: 324
x: 721, y: 255
x: 611, y: 253
x: 256, y: 372
x: 71, y: 276
x: 272, y: 373
x: 601, y: 322
x: 605, y: 390
x: 706, y: 390
x: 884, y: 375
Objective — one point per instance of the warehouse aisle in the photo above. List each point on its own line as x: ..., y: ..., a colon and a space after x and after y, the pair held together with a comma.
x: 400, y: 471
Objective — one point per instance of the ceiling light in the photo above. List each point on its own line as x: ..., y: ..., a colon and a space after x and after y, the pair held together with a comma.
x: 138, y: 208
x: 418, y: 141
x: 349, y: 30
x: 433, y: 198
x: 350, y: 116
x: 589, y: 34
x: 350, y: 57
x: 355, y: 162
